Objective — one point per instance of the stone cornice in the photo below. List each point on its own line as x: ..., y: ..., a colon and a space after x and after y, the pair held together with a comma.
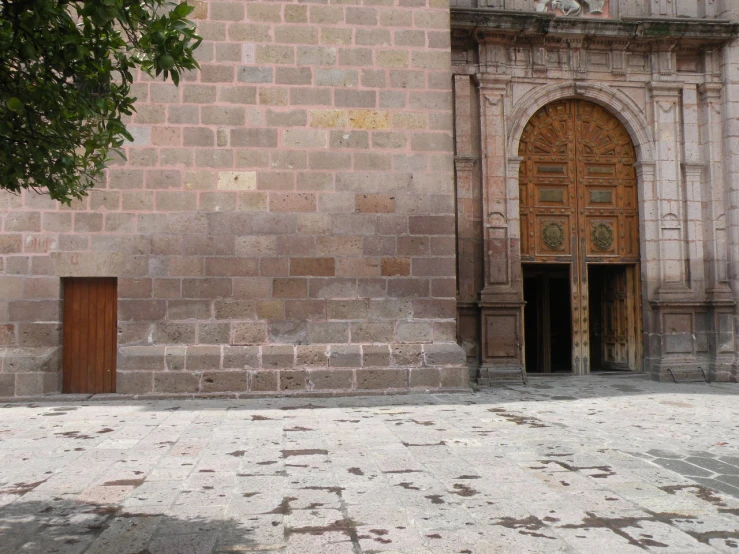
x: 485, y: 23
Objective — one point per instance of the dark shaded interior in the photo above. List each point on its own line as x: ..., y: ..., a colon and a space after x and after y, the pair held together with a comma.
x: 601, y: 278
x: 547, y: 316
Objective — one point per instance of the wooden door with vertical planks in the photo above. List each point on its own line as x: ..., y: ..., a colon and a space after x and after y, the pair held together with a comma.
x: 89, y: 335
x: 615, y: 319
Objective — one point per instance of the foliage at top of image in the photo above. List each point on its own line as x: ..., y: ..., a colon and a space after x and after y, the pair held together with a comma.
x: 66, y: 69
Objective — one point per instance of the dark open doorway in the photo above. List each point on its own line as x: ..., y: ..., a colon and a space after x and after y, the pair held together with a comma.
x: 547, y: 318
x: 613, y: 320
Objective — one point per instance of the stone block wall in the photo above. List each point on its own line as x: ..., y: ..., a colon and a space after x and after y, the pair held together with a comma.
x: 284, y: 220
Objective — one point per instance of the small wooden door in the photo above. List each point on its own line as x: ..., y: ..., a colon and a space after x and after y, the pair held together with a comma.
x: 89, y: 335
x: 614, y: 301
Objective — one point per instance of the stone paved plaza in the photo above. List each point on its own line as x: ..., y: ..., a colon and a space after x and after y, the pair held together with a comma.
x: 593, y: 465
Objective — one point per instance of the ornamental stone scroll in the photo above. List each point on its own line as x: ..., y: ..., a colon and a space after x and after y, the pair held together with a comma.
x: 571, y: 7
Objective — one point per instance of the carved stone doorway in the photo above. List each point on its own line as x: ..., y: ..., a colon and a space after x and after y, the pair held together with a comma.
x: 579, y: 210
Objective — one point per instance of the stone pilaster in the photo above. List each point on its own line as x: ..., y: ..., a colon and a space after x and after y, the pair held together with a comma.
x: 501, y: 299
x: 673, y: 251
x: 713, y: 214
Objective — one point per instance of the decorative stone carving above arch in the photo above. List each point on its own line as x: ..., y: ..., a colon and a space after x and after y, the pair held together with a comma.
x: 572, y: 8
x: 615, y: 101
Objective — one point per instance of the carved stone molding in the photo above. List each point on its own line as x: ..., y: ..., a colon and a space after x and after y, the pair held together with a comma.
x: 482, y: 25
x: 616, y: 101
x: 465, y: 163
x: 710, y: 91
x: 693, y: 171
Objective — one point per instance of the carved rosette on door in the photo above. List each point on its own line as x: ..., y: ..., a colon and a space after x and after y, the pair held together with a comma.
x: 578, y: 205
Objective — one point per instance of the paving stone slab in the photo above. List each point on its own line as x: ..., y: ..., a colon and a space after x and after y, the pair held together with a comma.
x: 565, y: 465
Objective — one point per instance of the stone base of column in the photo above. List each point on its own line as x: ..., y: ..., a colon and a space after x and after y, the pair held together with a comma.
x: 500, y: 375
x: 691, y: 370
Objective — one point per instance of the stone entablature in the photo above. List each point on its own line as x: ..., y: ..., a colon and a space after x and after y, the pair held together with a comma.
x: 607, y: 8
x: 664, y: 80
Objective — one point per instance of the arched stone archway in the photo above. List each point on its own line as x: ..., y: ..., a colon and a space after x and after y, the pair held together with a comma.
x: 613, y: 100
x: 502, y: 299
x: 580, y: 248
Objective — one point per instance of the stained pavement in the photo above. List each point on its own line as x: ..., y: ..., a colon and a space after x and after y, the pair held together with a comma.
x: 564, y: 465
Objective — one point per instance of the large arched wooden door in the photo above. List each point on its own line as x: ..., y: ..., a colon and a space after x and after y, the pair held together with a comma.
x: 579, y: 206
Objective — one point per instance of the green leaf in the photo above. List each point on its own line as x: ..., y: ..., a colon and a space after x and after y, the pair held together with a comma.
x: 15, y: 105
x: 67, y: 67
x: 182, y: 10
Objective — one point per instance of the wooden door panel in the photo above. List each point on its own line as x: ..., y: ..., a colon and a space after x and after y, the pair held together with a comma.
x: 579, y: 205
x: 602, y: 237
x: 89, y: 335
x: 552, y: 236
x: 614, y: 296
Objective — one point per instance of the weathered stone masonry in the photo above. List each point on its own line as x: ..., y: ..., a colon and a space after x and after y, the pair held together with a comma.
x: 284, y: 221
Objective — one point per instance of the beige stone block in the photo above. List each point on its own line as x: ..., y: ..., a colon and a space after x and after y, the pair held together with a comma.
x: 260, y: 11
x: 425, y: 378
x: 237, y: 180
x: 263, y: 380
x: 256, y: 245
x: 278, y: 357
x: 296, y: 34
x: 272, y: 310
x: 88, y: 264
x: 410, y: 120
x: 273, y: 96
x: 347, y: 309
x: 305, y: 138
x: 369, y: 119
x: 312, y: 356
x: 375, y: 355
x: 431, y: 60
x: 249, y: 333
x: 382, y: 379
x: 275, y: 54
x: 444, y: 354
x: 10, y: 244
x: 296, y: 14
x: 10, y: 200
x: 372, y: 37
x: 135, y: 382
x: 224, y: 381
x: 391, y: 58
x: 396, y: 18
x: 247, y: 32
x: 292, y: 380
x: 319, y: 55
x: 333, y: 35
x: 455, y: 377
x: 329, y: 118
x: 407, y: 355
x: 330, y: 379
x: 345, y: 355
x: 336, y: 77
x: 176, y: 382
